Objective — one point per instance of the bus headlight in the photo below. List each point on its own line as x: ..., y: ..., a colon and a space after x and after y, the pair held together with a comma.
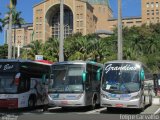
x: 79, y: 96
x: 104, y: 96
x: 135, y: 97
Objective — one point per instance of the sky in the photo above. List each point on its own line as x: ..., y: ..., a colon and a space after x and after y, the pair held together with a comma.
x: 130, y: 8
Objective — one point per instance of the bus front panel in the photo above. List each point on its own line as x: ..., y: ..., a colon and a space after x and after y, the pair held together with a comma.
x: 121, y: 85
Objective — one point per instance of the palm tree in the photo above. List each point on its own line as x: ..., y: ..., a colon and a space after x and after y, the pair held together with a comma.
x: 71, y: 47
x: 13, y: 3
x: 51, y: 49
x: 35, y: 48
x: 17, y: 21
x: 0, y: 24
x: 79, y: 47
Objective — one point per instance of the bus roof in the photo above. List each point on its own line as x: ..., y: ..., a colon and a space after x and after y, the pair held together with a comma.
x: 44, y: 62
x: 78, y: 62
x: 124, y: 61
x: 11, y: 60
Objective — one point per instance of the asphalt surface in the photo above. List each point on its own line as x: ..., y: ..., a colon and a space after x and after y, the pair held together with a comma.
x: 57, y: 113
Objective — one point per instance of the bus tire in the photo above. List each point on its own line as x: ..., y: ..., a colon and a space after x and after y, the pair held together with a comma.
x: 94, y: 103
x: 31, y: 102
x: 150, y: 100
x: 143, y: 105
x: 110, y: 109
x: 142, y: 109
x: 45, y: 108
x: 64, y: 108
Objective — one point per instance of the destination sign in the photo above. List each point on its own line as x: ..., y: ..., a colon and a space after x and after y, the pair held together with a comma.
x: 126, y: 67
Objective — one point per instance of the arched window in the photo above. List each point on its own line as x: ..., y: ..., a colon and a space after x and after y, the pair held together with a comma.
x: 68, y: 23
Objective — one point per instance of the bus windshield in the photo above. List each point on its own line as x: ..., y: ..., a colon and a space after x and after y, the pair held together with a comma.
x: 7, y: 84
x: 67, y: 78
x: 121, y: 78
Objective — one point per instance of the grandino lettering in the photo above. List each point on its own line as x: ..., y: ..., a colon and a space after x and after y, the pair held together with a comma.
x: 126, y: 67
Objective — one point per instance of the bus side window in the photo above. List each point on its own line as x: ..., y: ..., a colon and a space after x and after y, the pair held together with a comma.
x: 24, y: 84
x: 44, y: 79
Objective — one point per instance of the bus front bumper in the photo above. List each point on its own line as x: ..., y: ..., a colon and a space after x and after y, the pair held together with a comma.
x: 135, y: 103
x: 66, y: 102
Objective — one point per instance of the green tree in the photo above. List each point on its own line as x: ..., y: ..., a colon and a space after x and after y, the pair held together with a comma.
x: 3, y: 51
x: 17, y: 21
x: 75, y: 47
x: 142, y: 44
x: 51, y: 50
x: 139, y: 43
x: 34, y: 48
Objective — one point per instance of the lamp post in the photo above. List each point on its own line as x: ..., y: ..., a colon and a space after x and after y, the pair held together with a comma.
x: 61, y: 42
x: 10, y: 37
x: 120, y: 42
x: 18, y: 51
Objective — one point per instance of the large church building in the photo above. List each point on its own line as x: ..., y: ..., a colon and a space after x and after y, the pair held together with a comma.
x: 84, y: 16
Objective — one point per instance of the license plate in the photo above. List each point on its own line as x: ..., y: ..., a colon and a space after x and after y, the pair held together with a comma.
x: 119, y: 105
x: 64, y: 102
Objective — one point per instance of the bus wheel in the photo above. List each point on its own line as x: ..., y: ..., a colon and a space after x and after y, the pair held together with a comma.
x: 45, y: 108
x: 150, y: 100
x: 110, y: 109
x: 64, y: 108
x: 93, y: 106
x: 31, y: 102
x: 143, y: 106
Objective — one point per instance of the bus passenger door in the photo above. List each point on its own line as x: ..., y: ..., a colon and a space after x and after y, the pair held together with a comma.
x: 88, y: 89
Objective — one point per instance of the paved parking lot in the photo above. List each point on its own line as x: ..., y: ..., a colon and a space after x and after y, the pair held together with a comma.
x: 56, y: 113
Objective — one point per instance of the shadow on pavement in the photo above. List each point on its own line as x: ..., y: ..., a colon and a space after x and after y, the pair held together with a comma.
x: 122, y: 111
x: 69, y: 109
x: 19, y: 111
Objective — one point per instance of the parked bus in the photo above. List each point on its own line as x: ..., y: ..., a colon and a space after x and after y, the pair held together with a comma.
x: 23, y: 83
x: 126, y: 84
x: 75, y: 84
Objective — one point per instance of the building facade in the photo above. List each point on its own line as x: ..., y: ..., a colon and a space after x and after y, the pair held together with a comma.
x: 150, y: 11
x: 22, y: 36
x: 84, y: 16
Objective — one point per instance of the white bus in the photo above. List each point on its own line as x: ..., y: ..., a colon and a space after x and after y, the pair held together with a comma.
x: 126, y: 84
x: 75, y: 84
x: 23, y: 83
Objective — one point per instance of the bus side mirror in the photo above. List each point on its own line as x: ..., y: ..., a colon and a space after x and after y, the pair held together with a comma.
x: 17, y: 79
x: 155, y: 76
x: 84, y: 76
x: 98, y: 74
x: 142, y: 74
